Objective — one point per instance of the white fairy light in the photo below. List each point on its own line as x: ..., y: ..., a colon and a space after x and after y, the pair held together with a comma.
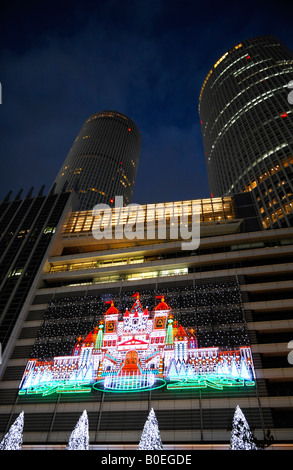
x: 79, y: 439
x: 13, y: 439
x: 241, y: 436
x: 150, y: 438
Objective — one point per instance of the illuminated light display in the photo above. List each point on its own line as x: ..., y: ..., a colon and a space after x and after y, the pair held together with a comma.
x: 79, y: 438
x: 129, y: 383
x: 49, y: 388
x: 138, y: 351
x: 210, y: 380
x: 13, y: 439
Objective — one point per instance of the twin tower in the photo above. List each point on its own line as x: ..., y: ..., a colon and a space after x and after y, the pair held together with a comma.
x: 103, y: 160
x: 246, y: 123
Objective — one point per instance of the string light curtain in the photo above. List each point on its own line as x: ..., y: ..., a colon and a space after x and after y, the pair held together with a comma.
x: 214, y: 310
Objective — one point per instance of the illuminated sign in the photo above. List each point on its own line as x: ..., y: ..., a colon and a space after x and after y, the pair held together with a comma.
x: 139, y: 351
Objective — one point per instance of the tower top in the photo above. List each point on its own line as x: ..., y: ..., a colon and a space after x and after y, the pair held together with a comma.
x: 111, y: 310
x: 108, y: 143
x: 162, y: 305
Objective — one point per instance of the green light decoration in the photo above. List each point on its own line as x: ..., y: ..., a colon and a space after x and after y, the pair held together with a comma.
x: 99, y: 340
x: 50, y: 388
x: 169, y: 335
x: 202, y: 381
x: 210, y: 380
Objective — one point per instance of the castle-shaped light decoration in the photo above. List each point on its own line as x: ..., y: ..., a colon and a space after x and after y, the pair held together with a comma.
x: 139, y: 351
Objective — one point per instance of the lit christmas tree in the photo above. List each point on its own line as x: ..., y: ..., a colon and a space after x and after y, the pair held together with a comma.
x: 241, y: 436
x: 79, y: 439
x: 150, y: 438
x: 13, y: 439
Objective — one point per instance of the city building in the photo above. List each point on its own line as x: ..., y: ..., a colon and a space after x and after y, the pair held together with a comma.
x: 246, y: 122
x: 103, y: 160
x: 118, y: 326
x: 26, y: 229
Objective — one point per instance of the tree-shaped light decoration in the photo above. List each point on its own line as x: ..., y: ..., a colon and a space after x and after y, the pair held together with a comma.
x: 79, y: 439
x: 150, y: 438
x: 241, y: 436
x: 13, y: 439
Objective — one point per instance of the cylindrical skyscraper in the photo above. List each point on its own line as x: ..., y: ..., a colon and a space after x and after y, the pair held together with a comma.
x: 247, y: 126
x: 103, y: 160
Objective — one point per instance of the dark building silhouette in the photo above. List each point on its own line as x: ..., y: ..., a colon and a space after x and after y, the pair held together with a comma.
x: 26, y: 229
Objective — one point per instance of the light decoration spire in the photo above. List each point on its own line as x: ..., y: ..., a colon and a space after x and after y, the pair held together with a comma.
x: 79, y: 439
x: 100, y: 335
x: 111, y: 309
x: 162, y: 305
x: 241, y: 436
x: 137, y: 307
x: 150, y: 438
x: 13, y: 439
x: 169, y: 335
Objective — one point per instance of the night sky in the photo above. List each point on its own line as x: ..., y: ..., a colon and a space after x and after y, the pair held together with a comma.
x: 60, y: 62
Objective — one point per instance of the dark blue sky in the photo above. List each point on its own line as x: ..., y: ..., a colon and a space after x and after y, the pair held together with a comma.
x: 61, y: 62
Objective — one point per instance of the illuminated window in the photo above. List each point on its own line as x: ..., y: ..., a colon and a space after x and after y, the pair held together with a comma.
x: 220, y: 60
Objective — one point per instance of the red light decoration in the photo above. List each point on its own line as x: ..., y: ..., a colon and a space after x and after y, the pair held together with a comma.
x: 138, y: 352
x: 247, y: 57
x: 111, y: 200
x: 283, y: 115
x: 129, y: 129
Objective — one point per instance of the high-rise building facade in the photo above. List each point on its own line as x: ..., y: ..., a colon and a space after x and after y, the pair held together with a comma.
x: 27, y: 226
x: 117, y: 327
x: 247, y: 126
x: 103, y: 160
